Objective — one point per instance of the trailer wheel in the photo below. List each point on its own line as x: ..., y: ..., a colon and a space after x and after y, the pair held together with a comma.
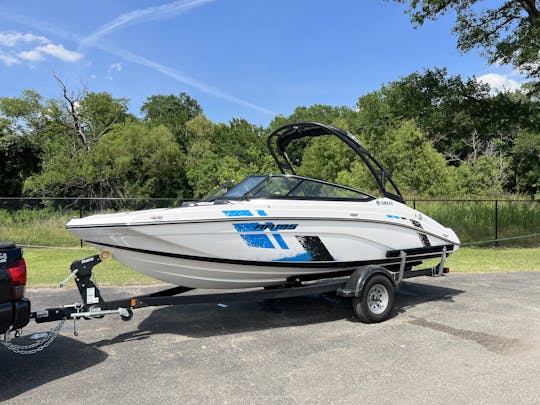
x: 376, y: 301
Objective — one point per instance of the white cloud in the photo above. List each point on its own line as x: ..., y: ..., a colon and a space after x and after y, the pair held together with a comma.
x: 19, y: 42
x: 31, y: 56
x: 60, y: 52
x: 8, y: 60
x: 499, y: 82
x: 11, y: 39
x: 115, y: 66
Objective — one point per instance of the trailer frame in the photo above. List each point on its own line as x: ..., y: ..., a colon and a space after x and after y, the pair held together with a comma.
x: 94, y: 306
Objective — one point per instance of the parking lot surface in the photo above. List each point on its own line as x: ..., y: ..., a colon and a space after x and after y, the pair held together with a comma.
x: 464, y: 338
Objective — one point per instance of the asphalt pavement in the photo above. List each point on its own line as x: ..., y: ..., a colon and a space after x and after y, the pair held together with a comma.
x: 463, y: 338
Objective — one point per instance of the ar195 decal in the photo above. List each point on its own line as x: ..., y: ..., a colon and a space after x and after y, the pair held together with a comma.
x: 268, y: 226
x: 274, y: 227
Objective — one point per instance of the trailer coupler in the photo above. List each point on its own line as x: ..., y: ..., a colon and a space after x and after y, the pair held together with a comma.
x: 93, y: 305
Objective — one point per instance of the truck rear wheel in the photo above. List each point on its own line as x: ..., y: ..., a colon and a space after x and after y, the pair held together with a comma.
x: 376, y: 301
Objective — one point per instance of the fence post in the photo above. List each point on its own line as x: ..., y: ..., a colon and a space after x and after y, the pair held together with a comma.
x: 414, y: 203
x: 496, y: 222
x: 80, y: 216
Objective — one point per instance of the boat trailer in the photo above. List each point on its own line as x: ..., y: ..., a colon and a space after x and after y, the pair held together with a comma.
x: 354, y: 286
x: 371, y: 288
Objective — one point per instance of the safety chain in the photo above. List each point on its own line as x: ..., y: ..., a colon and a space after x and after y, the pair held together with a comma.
x: 36, y: 346
x: 44, y: 339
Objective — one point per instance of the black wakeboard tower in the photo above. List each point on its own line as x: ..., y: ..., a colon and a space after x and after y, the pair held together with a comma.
x: 283, y: 136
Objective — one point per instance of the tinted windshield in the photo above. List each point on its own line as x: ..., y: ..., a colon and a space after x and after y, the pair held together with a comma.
x: 294, y: 187
x: 243, y: 187
x: 300, y: 187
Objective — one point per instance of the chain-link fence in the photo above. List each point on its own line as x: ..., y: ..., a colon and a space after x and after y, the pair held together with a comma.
x: 41, y: 221
x: 505, y: 222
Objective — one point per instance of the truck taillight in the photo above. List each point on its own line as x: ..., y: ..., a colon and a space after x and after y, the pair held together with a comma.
x: 17, y: 275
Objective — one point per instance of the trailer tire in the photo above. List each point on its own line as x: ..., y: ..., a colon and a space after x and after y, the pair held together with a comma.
x: 376, y: 301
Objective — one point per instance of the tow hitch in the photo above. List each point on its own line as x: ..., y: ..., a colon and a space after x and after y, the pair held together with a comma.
x: 93, y: 305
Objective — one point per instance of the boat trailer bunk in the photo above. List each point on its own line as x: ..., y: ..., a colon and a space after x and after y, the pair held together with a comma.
x: 371, y: 288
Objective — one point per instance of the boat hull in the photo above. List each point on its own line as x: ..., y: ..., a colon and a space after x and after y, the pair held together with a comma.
x: 200, y: 272
x: 242, y: 252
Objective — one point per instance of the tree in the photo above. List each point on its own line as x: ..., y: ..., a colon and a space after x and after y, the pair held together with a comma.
x: 480, y: 177
x: 18, y: 160
x: 525, y: 162
x: 408, y: 157
x: 134, y: 160
x: 100, y: 111
x: 224, y: 152
x: 325, y: 114
x: 88, y: 116
x: 173, y: 112
x: 21, y: 115
x: 326, y: 158
x: 446, y: 109
x: 131, y: 160
x: 414, y: 164
x: 460, y: 117
x: 509, y: 33
x: 20, y: 119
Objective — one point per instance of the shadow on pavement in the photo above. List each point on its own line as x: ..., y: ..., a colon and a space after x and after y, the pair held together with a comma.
x: 68, y: 356
x: 64, y: 357
x: 205, y: 320
x: 410, y: 294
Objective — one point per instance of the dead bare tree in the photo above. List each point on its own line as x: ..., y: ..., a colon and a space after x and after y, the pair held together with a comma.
x: 74, y: 101
x: 482, y: 149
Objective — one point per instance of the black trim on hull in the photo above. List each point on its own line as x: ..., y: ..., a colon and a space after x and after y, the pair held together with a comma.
x: 303, y: 265
x: 419, y: 251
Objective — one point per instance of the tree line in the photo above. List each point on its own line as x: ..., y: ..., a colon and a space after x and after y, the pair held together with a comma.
x: 436, y: 134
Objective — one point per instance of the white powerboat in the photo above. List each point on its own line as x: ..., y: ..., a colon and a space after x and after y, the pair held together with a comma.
x: 271, y: 229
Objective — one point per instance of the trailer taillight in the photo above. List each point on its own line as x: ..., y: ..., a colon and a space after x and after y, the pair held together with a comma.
x: 17, y: 275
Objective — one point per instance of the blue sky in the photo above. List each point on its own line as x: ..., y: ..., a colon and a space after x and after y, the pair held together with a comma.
x: 238, y: 58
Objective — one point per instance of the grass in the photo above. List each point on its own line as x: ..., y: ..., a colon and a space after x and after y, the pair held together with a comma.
x: 475, y: 220
x: 472, y: 260
x: 47, y: 267
x: 36, y: 227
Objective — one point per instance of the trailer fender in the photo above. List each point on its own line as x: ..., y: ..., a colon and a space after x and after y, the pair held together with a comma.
x: 357, y: 280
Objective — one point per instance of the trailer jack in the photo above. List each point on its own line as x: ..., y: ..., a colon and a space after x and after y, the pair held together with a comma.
x: 93, y: 305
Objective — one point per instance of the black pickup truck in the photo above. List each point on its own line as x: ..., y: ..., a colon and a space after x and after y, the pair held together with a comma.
x: 14, y: 308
